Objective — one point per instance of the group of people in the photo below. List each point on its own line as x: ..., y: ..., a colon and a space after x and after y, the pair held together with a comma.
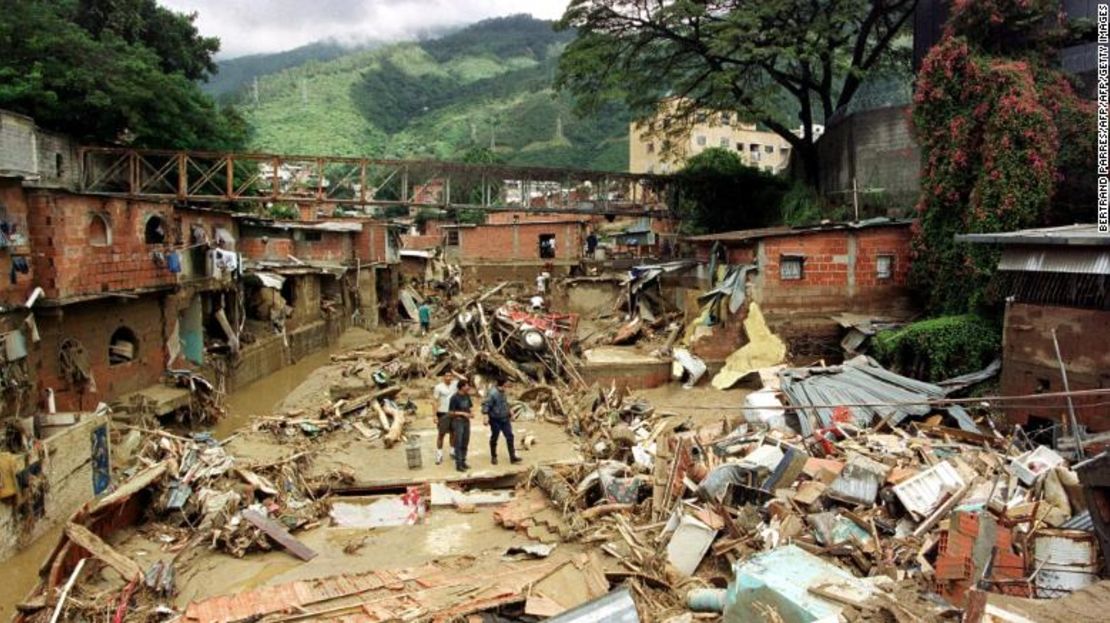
x: 454, y: 408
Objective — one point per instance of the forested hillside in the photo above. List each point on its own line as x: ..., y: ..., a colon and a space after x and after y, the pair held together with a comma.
x: 488, y: 84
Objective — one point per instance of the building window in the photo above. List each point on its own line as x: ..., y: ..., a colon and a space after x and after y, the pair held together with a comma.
x: 702, y: 117
x: 724, y: 142
x: 547, y: 246
x: 155, y: 230
x: 452, y: 237
x: 701, y: 140
x: 726, y: 119
x: 739, y: 147
x: 313, y: 236
x: 884, y: 266
x: 784, y: 152
x: 769, y: 149
x: 790, y: 267
x: 123, y: 346
x: 651, y: 148
x: 99, y: 234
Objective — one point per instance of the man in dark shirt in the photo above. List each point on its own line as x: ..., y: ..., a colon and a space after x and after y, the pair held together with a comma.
x: 496, y: 408
x: 460, y: 412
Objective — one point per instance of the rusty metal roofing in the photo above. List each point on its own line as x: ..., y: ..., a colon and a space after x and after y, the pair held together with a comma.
x: 743, y: 235
x: 1085, y: 260
x: 1080, y: 234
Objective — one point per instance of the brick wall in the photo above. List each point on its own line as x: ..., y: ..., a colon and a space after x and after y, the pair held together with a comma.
x: 92, y: 324
x: 335, y: 247
x: 273, y: 248
x: 839, y: 272
x: 67, y: 264
x: 14, y: 206
x: 520, y: 241
x: 1029, y: 362
x: 420, y: 242
x: 371, y: 243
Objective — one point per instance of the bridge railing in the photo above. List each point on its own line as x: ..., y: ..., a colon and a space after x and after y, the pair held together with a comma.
x: 268, y: 178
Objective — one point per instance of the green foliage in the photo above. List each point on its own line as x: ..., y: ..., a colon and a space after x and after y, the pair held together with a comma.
x: 471, y: 216
x: 395, y: 211
x: 238, y: 73
x: 501, y: 37
x: 1007, y: 145
x: 719, y: 193
x: 487, y: 86
x: 939, y: 348
x: 776, y: 61
x: 801, y: 206
x: 110, y: 71
x: 283, y: 211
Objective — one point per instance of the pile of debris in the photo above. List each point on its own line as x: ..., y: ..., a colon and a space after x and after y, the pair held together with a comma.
x: 877, y: 508
x: 509, y: 340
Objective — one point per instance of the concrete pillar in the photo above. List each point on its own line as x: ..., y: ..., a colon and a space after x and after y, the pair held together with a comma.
x: 853, y: 244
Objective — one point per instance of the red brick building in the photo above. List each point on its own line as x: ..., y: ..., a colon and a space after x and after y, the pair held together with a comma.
x: 807, y: 275
x: 1056, y: 278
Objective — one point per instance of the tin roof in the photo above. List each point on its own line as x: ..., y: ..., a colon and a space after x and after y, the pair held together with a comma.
x: 743, y: 235
x: 1080, y: 234
x: 1085, y: 260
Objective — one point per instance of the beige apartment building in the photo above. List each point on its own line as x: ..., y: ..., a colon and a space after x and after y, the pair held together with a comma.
x: 651, y: 152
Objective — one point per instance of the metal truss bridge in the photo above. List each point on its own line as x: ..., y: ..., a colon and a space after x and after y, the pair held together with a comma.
x: 363, y: 183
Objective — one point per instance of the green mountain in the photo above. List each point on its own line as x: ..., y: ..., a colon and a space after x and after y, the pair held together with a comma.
x: 238, y: 73
x: 487, y: 84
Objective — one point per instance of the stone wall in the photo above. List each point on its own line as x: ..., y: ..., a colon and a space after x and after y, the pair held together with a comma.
x: 877, y: 148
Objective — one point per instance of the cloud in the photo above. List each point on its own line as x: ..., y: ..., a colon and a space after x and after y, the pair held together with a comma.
x: 275, y: 25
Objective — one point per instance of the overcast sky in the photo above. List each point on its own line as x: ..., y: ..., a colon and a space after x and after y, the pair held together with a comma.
x: 249, y: 27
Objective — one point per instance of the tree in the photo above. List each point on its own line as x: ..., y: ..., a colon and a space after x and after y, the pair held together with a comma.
x: 1007, y: 144
x: 110, y: 72
x: 758, y: 58
x: 717, y: 192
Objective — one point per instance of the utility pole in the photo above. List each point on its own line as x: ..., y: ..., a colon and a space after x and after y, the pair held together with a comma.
x: 254, y: 91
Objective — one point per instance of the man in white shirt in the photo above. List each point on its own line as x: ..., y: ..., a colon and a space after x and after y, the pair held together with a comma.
x: 441, y: 397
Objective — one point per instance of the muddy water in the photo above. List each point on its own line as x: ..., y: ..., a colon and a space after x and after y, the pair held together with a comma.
x: 21, y: 572
x: 263, y: 395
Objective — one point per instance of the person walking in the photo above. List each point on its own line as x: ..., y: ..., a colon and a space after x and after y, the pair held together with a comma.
x: 461, y: 412
x: 425, y: 314
x: 441, y: 397
x: 496, y: 408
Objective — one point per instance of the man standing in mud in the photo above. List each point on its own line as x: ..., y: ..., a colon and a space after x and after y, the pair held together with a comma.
x: 496, y: 408
x: 441, y: 397
x: 460, y: 411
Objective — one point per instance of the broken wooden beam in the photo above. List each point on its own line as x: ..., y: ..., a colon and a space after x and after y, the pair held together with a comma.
x: 103, y: 552
x: 277, y: 532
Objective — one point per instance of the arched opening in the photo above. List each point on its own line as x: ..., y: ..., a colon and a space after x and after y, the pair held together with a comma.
x: 155, y: 230
x: 123, y: 347
x: 99, y: 233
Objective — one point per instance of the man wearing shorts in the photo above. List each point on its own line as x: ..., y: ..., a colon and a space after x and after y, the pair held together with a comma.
x: 441, y: 396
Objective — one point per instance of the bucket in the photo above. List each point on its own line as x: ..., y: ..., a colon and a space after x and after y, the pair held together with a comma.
x: 1067, y: 559
x: 412, y: 452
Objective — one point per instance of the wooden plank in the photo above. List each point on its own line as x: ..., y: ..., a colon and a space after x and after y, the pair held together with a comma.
x: 137, y: 483
x: 103, y: 552
x: 276, y: 532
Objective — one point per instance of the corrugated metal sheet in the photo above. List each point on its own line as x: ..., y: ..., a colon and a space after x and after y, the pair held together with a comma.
x: 1082, y: 234
x: 1080, y: 260
x: 1082, y: 521
x: 862, y: 381
x: 616, y: 607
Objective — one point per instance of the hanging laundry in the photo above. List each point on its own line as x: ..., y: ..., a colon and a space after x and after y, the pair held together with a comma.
x: 225, y: 260
x: 19, y: 265
x: 173, y: 262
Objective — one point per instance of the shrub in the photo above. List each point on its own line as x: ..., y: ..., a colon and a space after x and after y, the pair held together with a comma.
x: 939, y: 348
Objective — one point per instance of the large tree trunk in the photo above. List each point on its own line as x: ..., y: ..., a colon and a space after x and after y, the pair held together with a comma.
x: 810, y: 163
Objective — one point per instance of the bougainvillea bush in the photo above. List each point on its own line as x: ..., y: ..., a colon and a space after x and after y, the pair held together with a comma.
x: 1005, y: 139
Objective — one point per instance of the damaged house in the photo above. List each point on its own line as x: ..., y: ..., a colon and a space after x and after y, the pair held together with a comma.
x: 802, y: 277
x: 1055, y: 282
